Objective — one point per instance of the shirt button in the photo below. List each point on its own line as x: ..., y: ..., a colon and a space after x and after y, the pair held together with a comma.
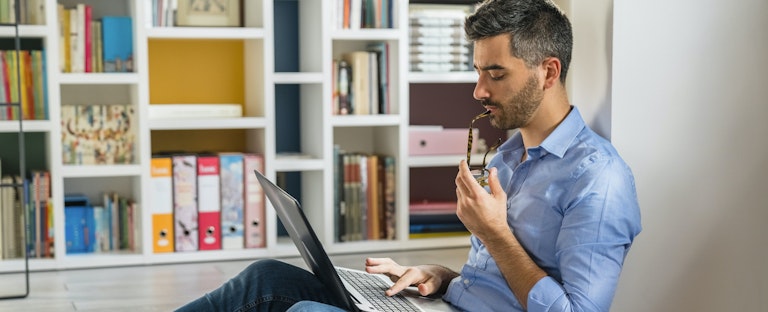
x: 466, y: 281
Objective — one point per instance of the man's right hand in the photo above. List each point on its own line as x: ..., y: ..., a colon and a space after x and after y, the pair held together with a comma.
x: 428, y: 279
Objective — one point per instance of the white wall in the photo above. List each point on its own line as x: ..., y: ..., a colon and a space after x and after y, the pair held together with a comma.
x: 689, y: 110
x: 589, y: 75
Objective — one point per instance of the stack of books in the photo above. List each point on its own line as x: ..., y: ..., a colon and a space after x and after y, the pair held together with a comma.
x: 364, y: 196
x: 35, y: 194
x: 434, y: 219
x: 437, y: 38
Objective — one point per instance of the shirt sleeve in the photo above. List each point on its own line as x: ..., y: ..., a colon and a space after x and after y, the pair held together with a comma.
x: 599, y: 224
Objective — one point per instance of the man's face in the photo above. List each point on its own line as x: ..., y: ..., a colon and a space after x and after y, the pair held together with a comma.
x: 505, y: 86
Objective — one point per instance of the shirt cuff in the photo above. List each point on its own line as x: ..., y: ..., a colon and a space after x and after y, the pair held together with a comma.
x: 546, y: 295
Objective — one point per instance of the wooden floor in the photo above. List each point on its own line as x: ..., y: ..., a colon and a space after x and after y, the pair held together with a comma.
x: 164, y: 287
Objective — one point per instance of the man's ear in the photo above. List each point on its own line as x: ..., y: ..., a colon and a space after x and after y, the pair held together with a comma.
x: 551, y: 67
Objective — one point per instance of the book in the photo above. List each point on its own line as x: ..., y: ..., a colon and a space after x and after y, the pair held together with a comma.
x: 117, y: 43
x: 77, y: 55
x: 185, y: 202
x: 79, y: 226
x: 204, y: 111
x: 231, y: 166
x: 338, y: 192
x: 359, y: 89
x: 373, y: 196
x: 344, y: 81
x: 208, y: 196
x: 255, y: 231
x: 101, y: 219
x: 64, y: 42
x: 381, y: 49
x: 87, y: 38
x: 161, y: 204
x: 390, y: 204
x: 12, y: 222
x: 373, y: 83
x: 68, y: 134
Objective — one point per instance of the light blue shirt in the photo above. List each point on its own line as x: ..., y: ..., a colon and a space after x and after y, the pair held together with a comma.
x: 572, y: 205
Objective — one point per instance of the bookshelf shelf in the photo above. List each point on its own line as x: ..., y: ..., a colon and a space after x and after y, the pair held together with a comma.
x: 205, y: 33
x: 453, y: 77
x: 444, y: 160
x: 366, y: 120
x: 98, y: 78
x: 294, y: 164
x: 25, y: 31
x: 29, y: 126
x: 367, y: 34
x: 211, y: 123
x: 298, y: 78
x: 92, y: 171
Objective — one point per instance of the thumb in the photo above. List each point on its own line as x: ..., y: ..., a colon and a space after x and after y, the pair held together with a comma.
x: 493, y: 182
x: 426, y: 289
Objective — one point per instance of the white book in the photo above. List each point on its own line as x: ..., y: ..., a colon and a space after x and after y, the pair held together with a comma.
x: 355, y: 14
x: 185, y: 111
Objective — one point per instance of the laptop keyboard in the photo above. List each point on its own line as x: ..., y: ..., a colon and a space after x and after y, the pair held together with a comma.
x: 372, y: 288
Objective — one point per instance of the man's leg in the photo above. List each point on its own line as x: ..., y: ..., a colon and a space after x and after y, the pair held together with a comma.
x: 265, y: 285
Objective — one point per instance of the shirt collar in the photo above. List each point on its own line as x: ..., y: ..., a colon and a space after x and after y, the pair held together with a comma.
x: 559, y: 140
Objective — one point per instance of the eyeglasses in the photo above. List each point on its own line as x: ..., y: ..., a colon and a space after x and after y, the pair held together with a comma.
x: 480, y: 173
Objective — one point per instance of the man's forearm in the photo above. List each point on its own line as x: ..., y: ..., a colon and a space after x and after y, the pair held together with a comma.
x: 519, y: 270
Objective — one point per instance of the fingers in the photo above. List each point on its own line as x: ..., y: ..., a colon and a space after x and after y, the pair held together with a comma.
x: 412, y: 276
x: 384, y: 266
x: 493, y: 181
x: 465, y: 182
x: 464, y: 178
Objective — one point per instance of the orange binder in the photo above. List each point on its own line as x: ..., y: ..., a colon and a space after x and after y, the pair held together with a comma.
x: 162, y: 204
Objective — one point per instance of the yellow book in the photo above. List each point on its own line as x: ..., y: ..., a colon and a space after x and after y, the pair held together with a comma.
x: 11, y: 73
x: 64, y: 49
x: 23, y: 84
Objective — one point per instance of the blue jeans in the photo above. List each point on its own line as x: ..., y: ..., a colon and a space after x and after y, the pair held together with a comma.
x: 267, y: 285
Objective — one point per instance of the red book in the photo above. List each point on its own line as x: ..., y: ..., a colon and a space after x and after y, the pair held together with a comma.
x: 209, y: 204
x: 88, y: 39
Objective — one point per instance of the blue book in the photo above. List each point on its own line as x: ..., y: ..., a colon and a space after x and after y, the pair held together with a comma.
x: 79, y: 224
x: 232, y: 200
x: 117, y: 41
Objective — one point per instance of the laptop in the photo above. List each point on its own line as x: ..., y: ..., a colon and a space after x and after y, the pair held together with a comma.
x: 359, y: 290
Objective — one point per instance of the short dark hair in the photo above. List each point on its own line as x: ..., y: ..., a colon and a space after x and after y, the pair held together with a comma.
x: 537, y: 29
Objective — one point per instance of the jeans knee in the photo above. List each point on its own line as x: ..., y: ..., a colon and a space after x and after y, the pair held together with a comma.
x: 266, y: 265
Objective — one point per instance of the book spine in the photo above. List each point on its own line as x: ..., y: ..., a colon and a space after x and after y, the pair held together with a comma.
x: 232, y: 200
x: 185, y: 202
x: 255, y: 235
x: 87, y: 36
x: 161, y: 204
x: 208, y: 195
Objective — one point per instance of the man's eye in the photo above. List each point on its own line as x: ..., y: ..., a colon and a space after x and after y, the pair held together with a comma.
x: 499, y: 77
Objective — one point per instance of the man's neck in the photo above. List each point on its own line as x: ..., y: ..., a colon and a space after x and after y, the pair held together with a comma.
x: 549, y: 115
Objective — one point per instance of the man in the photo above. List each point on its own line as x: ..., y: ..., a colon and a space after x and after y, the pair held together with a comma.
x: 552, y: 229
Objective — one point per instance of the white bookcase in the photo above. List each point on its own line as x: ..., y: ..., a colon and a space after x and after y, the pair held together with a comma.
x: 319, y: 42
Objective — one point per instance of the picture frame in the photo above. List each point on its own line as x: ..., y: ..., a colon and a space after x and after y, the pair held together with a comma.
x: 208, y: 13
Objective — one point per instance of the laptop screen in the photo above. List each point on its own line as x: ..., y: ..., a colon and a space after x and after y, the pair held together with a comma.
x: 300, y: 231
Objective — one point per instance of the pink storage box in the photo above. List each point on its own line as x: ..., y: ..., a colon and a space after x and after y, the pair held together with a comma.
x: 435, y: 140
